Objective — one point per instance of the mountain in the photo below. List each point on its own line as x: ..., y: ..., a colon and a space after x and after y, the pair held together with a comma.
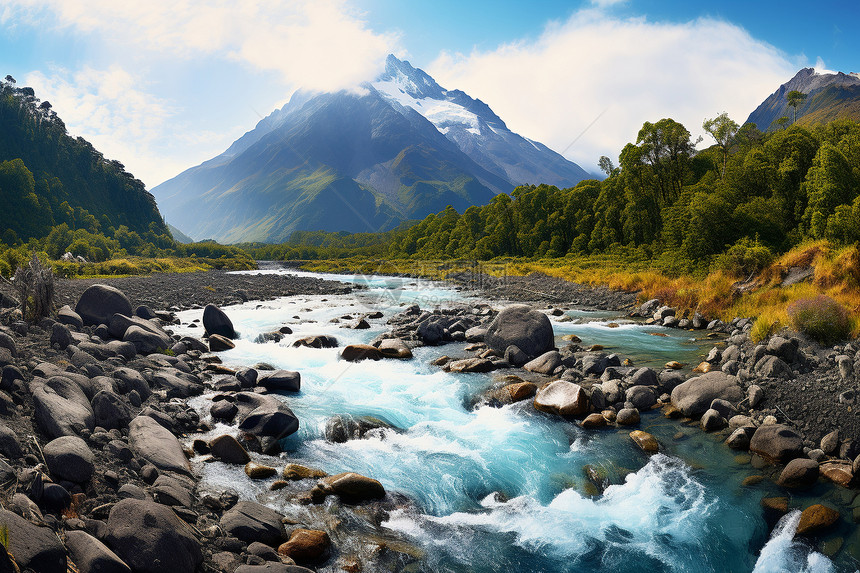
x: 399, y: 148
x: 48, y: 177
x: 829, y: 96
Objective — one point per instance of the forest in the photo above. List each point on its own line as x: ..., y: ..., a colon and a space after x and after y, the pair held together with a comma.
x: 739, y: 202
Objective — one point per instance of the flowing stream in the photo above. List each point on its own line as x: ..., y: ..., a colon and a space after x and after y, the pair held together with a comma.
x: 500, y: 489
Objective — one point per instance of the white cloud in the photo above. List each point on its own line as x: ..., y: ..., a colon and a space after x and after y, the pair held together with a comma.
x: 109, y: 109
x: 630, y: 71
x: 606, y: 3
x: 316, y: 44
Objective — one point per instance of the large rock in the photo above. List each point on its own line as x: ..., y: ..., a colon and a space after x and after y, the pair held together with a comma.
x: 61, y: 407
x: 61, y: 336
x: 10, y: 447
x: 93, y: 556
x: 146, y: 341
x: 776, y: 443
x: 280, y: 381
x: 120, y: 323
x: 110, y: 410
x: 519, y: 325
x: 693, y: 398
x: 100, y: 302
x: 133, y: 380
x: 69, y: 458
x: 275, y: 420
x: 155, y: 444
x: 228, y: 449
x: 642, y: 397
x: 351, y: 487
x: 215, y: 321
x: 773, y: 367
x: 816, y: 518
x: 546, y: 363
x: 359, y: 352
x: 394, y: 348
x: 219, y: 343
x: 176, y: 387
x: 250, y: 521
x: 35, y: 548
x: 272, y: 567
x: 306, y: 545
x: 69, y: 317
x: 150, y: 538
x: 563, y: 398
x: 799, y: 473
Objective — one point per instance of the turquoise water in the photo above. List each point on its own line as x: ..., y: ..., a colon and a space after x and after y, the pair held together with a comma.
x: 502, y: 488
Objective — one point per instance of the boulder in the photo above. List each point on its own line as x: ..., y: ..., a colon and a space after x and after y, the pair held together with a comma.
x: 93, y: 556
x: 359, y: 352
x: 133, y: 380
x: 799, y: 473
x: 295, y: 472
x: 69, y: 458
x: 739, y: 439
x: 782, y: 347
x: 61, y: 407
x: 280, y: 381
x: 223, y: 410
x: 693, y: 398
x: 773, y: 367
x: 250, y: 521
x: 34, y: 548
x: 317, y: 341
x: 275, y: 420
x: 521, y: 390
x: 215, y: 321
x: 69, y: 317
x: 642, y: 397
x: 431, y: 332
x: 776, y: 443
x: 150, y: 538
x: 100, y: 302
x: 305, y: 545
x: 218, y: 343
x: 120, y: 323
x: 110, y: 410
x: 546, y: 363
x: 146, y: 341
x: 816, y: 518
x: 259, y: 471
x: 471, y: 365
x: 563, y: 398
x: 394, y: 348
x: 176, y: 386
x: 272, y: 567
x: 154, y: 443
x: 643, y: 377
x: 351, y: 487
x: 627, y: 417
x: 755, y: 395
x: 10, y: 447
x: 227, y: 449
x: 520, y: 325
x: 646, y: 442
x: 594, y: 420
x: 840, y: 473
x: 712, y: 420
x: 61, y: 336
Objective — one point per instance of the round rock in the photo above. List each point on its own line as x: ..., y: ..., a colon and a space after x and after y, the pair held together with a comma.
x: 69, y: 458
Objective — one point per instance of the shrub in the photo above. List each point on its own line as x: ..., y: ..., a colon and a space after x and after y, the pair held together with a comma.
x: 744, y: 258
x: 821, y: 318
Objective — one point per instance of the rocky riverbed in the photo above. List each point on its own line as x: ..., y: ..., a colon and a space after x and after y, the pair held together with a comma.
x: 103, y: 442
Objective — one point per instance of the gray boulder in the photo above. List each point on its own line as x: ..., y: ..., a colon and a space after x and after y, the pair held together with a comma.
x: 69, y: 317
x: 69, y: 458
x: 520, y: 325
x: 782, y: 347
x: 9, y: 444
x: 35, y: 548
x: 642, y: 397
x: 100, y: 302
x: 776, y: 443
x: 215, y: 321
x: 227, y: 449
x: 431, y: 332
x: 771, y: 366
x: 272, y: 567
x: 176, y: 386
x: 150, y: 538
x: 643, y: 377
x: 154, y: 443
x: 61, y: 336
x: 146, y: 341
x: 110, y: 410
x: 515, y: 356
x: 133, y: 380
x: 93, y: 556
x: 61, y: 407
x: 546, y: 363
x: 694, y: 397
x: 280, y: 381
x: 563, y: 398
x: 799, y: 473
x: 250, y: 521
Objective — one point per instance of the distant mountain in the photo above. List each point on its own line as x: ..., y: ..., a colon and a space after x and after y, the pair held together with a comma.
x: 48, y: 177
x: 400, y: 148
x: 178, y: 235
x: 829, y: 96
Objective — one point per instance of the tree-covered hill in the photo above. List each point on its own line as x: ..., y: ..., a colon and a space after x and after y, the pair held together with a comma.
x: 48, y: 178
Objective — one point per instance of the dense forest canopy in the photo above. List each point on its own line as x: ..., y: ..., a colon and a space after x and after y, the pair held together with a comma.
x: 750, y: 191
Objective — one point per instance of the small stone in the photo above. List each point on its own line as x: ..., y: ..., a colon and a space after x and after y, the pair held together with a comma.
x: 645, y: 441
x: 259, y: 471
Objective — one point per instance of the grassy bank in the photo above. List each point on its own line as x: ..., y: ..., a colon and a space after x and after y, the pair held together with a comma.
x: 129, y: 266
x: 833, y: 272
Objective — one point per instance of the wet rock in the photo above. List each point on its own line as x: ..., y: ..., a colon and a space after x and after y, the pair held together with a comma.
x: 177, y: 386
x: 395, y: 348
x: 471, y: 365
x: 694, y: 397
x: 350, y: 487
x: 359, y: 352
x: 646, y: 442
x: 713, y: 421
x: 799, y: 473
x: 318, y: 341
x: 34, y: 548
x: 627, y: 417
x: 521, y: 390
x: 739, y: 439
x: 259, y: 471
x: 215, y: 321
x: 305, y: 545
x: 150, y: 538
x: 272, y: 567
x: 99, y: 303
x: 840, y: 473
x: 268, y: 416
x: 280, y: 381
x: 227, y: 449
x: 431, y: 332
x: 776, y: 443
x: 69, y: 458
x: 594, y: 420
x: 642, y: 397
x: 223, y: 410
x: 563, y: 398
x: 643, y: 377
x: 250, y: 521
x: 519, y: 325
x: 816, y: 518
x: 218, y: 343
x: 295, y: 472
x: 153, y: 443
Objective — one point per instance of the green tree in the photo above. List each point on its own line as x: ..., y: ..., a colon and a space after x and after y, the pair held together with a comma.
x: 795, y: 98
x: 667, y: 148
x: 723, y: 129
x: 830, y: 183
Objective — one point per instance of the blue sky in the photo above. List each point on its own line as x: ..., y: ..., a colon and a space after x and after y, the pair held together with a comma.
x: 165, y: 84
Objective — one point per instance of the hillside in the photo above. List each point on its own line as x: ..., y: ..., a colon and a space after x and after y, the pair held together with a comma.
x: 829, y: 96
x: 359, y: 161
x: 48, y: 177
